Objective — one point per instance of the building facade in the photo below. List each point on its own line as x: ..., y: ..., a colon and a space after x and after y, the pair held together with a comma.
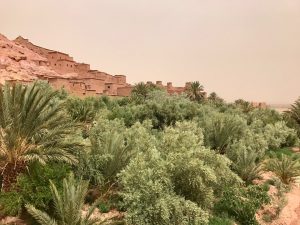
x: 79, y: 79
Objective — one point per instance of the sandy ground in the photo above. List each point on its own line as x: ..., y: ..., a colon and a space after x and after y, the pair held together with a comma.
x: 290, y: 214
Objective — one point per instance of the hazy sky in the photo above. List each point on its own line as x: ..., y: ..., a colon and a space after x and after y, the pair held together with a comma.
x: 239, y: 48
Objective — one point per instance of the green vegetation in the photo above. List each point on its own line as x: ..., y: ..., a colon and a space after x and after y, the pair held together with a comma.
x: 33, y: 188
x: 162, y: 159
x: 285, y: 167
x: 293, y: 116
x: 32, y: 128
x: 68, y: 205
x: 242, y: 203
x: 195, y: 91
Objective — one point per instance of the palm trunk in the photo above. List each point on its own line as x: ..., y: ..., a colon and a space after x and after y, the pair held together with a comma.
x: 10, y: 174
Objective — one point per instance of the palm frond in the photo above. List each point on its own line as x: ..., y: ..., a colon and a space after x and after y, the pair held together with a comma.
x: 32, y: 127
x: 41, y: 217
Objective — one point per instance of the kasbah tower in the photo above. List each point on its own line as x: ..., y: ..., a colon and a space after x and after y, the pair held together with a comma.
x: 78, y: 79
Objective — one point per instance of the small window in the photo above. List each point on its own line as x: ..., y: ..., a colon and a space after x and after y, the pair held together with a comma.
x: 67, y: 65
x: 71, y: 66
x: 108, y: 86
x: 55, y: 64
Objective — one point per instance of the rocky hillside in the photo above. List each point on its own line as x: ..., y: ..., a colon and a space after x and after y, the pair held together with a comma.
x: 20, y: 63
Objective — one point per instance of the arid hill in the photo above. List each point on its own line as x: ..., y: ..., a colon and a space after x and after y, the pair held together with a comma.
x: 20, y: 63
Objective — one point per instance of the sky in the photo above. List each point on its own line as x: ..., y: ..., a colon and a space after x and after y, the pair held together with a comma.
x: 246, y: 49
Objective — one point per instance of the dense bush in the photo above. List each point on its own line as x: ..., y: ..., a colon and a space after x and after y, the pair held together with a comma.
x: 242, y: 203
x: 149, y: 197
x: 33, y: 188
x: 215, y: 220
x: 179, y: 168
x: 197, y: 173
x: 279, y: 134
x: 159, y: 107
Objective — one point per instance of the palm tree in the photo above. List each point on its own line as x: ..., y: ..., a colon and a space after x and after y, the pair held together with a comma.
x: 245, y: 106
x: 140, y: 91
x: 222, y: 131
x: 195, y: 91
x: 68, y: 205
x: 81, y: 110
x: 292, y: 116
x: 295, y: 111
x: 32, y: 128
x: 115, y: 153
x: 285, y: 167
x: 214, y: 98
x: 246, y: 166
x: 108, y: 155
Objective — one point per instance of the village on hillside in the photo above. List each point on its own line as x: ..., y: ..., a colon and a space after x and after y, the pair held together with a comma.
x: 31, y: 62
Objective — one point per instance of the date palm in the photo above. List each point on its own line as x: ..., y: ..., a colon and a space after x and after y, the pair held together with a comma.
x: 285, y: 167
x: 32, y: 128
x: 195, y: 91
x: 295, y: 111
x: 292, y: 116
x: 141, y: 91
x: 68, y: 205
x: 81, y: 110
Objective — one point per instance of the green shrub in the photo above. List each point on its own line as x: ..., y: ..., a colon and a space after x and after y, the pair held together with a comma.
x: 242, y: 203
x: 215, y: 220
x: 279, y: 134
x: 33, y: 188
x: 197, y: 173
x: 277, y: 153
x: 149, y: 197
x: 10, y: 203
x: 103, y: 207
x: 176, y: 182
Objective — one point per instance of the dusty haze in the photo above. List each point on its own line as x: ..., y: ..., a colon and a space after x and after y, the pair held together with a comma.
x: 240, y: 49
